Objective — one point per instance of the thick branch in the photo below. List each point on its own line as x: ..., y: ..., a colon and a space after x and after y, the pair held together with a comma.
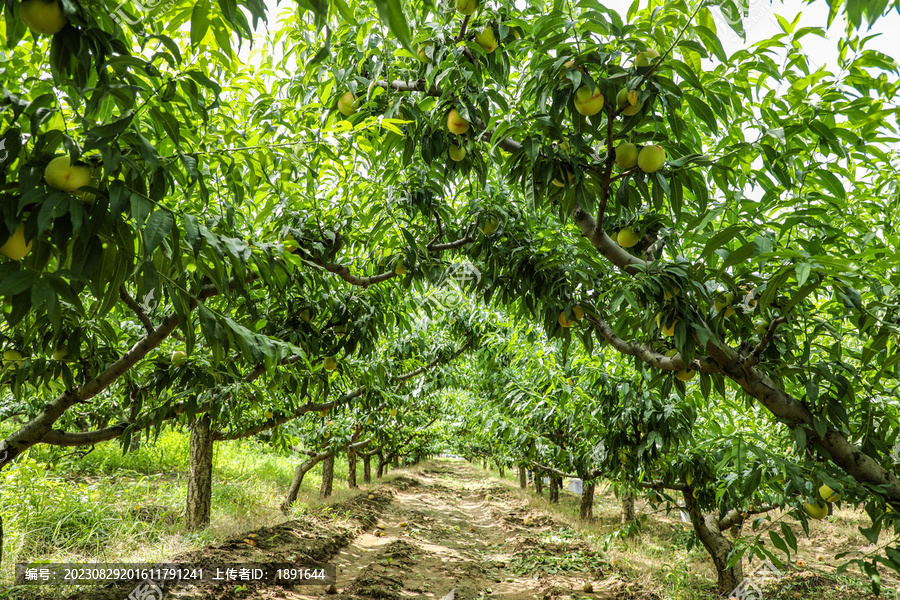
x: 418, y: 85
x: 648, y: 354
x: 462, y: 28
x: 357, y: 445
x: 57, y: 437
x: 280, y: 419
x: 557, y: 472
x: 735, y: 517
x: 371, y: 453
x: 468, y: 239
x: 604, y: 244
x: 34, y: 431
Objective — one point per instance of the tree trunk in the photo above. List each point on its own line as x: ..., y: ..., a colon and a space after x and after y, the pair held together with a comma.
x: 351, y: 468
x: 395, y: 462
x: 586, y: 510
x: 327, y: 476
x: 627, y: 507
x: 539, y: 483
x: 523, y: 478
x: 499, y: 467
x: 199, y: 492
x: 554, y: 489
x: 717, y: 545
x: 381, y: 462
x: 367, y: 468
x: 299, y: 474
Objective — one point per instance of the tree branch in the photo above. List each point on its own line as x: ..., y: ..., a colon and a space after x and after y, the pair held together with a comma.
x: 372, y: 453
x: 417, y: 85
x: 343, y: 271
x: 735, y: 517
x: 767, y: 337
x: 462, y: 28
x: 468, y: 239
x: 557, y: 472
x: 35, y: 430
x: 659, y: 485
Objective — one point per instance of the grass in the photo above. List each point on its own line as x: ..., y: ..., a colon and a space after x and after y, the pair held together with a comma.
x: 657, y: 560
x: 60, y: 506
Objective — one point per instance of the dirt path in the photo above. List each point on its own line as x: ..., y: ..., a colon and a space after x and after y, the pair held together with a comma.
x: 456, y: 534
x: 453, y: 533
x: 440, y: 531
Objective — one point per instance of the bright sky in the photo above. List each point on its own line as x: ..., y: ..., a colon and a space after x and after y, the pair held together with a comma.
x: 762, y: 24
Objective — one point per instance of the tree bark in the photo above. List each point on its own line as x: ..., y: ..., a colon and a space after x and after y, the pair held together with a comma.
x: 381, y: 462
x: 499, y: 467
x: 523, y: 477
x: 539, y: 483
x: 554, y: 489
x: 199, y: 492
x: 367, y: 468
x: 327, y: 476
x: 351, y: 468
x: 627, y: 507
x: 717, y: 545
x: 299, y: 474
x: 395, y: 462
x: 586, y: 510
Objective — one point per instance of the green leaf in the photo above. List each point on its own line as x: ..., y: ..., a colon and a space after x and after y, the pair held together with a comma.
x: 199, y: 23
x: 832, y: 183
x: 391, y: 13
x: 789, y: 536
x: 716, y: 241
x: 802, y: 270
x: 740, y: 255
x: 800, y: 438
x: 17, y: 283
x: 703, y: 111
x: 159, y: 224
x: 779, y: 543
x: 346, y: 12
x: 711, y: 42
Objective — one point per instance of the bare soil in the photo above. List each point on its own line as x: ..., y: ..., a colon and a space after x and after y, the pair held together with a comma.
x: 446, y: 532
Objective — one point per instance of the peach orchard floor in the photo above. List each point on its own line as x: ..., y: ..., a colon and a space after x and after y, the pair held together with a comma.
x: 449, y: 526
